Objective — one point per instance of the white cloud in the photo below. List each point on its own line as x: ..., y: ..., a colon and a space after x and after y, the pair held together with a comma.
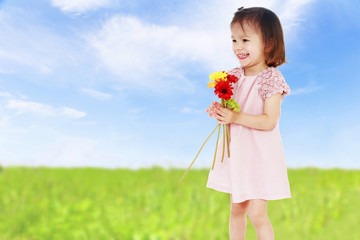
x: 306, y: 90
x: 97, y: 94
x: 152, y: 56
x: 72, y: 113
x: 23, y: 107
x: 29, y: 107
x: 79, y: 6
x: 292, y: 14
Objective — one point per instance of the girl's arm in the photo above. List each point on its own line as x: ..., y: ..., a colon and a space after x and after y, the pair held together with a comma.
x: 266, y: 121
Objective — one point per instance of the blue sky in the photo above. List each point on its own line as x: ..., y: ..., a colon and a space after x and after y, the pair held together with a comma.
x: 123, y: 83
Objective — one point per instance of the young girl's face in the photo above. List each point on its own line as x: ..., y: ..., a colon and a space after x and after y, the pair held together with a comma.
x: 248, y: 46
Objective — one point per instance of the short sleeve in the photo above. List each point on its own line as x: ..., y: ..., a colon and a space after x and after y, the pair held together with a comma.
x: 272, y: 82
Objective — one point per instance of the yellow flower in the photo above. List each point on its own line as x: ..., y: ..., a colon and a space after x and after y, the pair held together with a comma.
x: 218, y: 76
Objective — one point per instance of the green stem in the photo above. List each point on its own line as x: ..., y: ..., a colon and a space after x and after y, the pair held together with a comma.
x: 222, y: 158
x: 198, y: 152
x: 228, y: 133
x: 217, y: 141
x: 227, y: 139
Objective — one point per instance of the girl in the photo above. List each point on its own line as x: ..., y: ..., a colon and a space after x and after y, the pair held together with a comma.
x: 256, y: 170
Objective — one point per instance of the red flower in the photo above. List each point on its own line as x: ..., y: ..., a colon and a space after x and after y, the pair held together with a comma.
x: 224, y: 90
x: 232, y: 78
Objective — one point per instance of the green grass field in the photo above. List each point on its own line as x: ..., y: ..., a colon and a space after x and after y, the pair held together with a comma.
x: 90, y: 203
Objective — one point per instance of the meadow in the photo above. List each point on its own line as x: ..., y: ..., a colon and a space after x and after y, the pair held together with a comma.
x: 94, y: 203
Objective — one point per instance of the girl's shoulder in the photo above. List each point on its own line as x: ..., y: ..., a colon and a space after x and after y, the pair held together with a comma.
x: 271, y: 81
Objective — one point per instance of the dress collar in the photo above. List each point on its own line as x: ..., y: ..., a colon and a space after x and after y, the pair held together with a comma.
x: 263, y: 73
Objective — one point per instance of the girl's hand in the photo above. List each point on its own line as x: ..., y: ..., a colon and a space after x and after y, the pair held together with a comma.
x: 225, y: 116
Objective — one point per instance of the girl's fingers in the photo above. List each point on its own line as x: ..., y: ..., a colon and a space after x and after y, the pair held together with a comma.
x: 220, y: 117
x: 221, y: 110
x: 217, y: 112
x: 216, y: 104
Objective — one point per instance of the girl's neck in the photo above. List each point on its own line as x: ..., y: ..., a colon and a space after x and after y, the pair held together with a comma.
x: 254, y: 70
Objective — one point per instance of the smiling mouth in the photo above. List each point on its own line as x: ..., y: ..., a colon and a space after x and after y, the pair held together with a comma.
x: 242, y: 55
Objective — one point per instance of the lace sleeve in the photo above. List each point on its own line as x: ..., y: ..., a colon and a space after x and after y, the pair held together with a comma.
x: 272, y: 82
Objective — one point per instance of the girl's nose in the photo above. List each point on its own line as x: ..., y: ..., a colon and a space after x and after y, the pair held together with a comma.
x: 238, y: 47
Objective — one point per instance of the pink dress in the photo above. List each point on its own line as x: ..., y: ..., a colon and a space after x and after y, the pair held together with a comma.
x: 256, y: 168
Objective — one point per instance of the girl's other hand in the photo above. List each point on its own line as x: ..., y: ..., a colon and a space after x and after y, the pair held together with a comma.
x: 213, y: 109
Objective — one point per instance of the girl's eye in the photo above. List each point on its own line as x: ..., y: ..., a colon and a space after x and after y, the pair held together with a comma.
x: 233, y: 40
x: 245, y: 40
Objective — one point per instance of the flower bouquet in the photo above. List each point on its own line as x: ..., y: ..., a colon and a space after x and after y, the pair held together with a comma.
x: 223, y: 84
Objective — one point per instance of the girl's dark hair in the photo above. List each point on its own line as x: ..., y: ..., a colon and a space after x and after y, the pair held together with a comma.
x: 270, y: 27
